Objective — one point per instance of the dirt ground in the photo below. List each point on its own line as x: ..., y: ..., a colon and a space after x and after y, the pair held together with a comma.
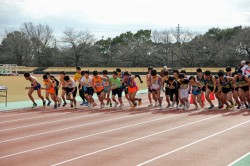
x: 16, y: 87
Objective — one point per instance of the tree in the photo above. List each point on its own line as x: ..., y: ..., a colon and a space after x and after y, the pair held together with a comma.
x: 41, y: 38
x: 79, y: 43
x: 17, y: 48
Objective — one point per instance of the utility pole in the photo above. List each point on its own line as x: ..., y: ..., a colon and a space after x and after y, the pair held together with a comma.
x: 178, y: 33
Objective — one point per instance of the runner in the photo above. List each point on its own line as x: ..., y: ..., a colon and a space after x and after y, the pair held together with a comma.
x: 115, y: 86
x: 35, y: 86
x: 71, y: 89
x: 200, y: 78
x: 47, y: 92
x: 156, y: 86
x: 88, y: 87
x: 210, y: 87
x: 106, y: 87
x: 183, y: 91
x: 56, y: 86
x: 225, y: 88
x: 234, y: 93
x: 242, y: 86
x: 63, y: 85
x: 77, y: 79
x: 98, y: 87
x: 149, y: 89
x: 167, y: 89
x: 196, y: 89
x: 50, y: 89
x: 130, y: 83
x: 120, y: 75
x: 173, y: 92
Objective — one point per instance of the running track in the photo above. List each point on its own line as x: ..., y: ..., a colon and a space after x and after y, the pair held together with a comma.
x: 144, y: 136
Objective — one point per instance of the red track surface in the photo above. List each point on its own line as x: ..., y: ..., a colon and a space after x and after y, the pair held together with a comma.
x: 123, y: 137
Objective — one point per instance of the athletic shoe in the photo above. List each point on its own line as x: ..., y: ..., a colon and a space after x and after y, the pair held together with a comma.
x: 150, y: 105
x: 59, y: 105
x: 139, y: 102
x: 107, y: 103
x: 93, y: 105
x: 156, y: 105
x: 49, y: 103
x: 168, y: 106
x: 246, y: 105
x: 44, y: 103
x: 132, y: 107
x: 238, y: 107
x: 110, y: 104
x: 187, y: 104
x: 71, y: 104
x: 160, y: 107
x: 116, y: 103
x: 180, y: 105
x: 102, y: 105
x: 64, y: 104
x: 83, y: 103
x: 227, y: 107
x: 212, y: 106
x: 184, y: 108
x: 172, y: 105
x: 196, y: 107
x: 86, y: 103
x: 89, y: 106
x: 121, y: 106
x: 220, y: 106
x: 34, y: 105
x: 177, y: 107
x: 75, y: 107
x: 55, y: 106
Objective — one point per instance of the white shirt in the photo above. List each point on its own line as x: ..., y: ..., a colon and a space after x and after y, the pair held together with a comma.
x: 86, y: 82
x: 244, y: 68
x: 71, y: 84
x: 247, y: 71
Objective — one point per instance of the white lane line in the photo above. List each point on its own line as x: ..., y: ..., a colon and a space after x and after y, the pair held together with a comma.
x: 193, y: 143
x: 78, y: 117
x: 231, y: 164
x: 17, y: 114
x: 134, y: 140
x: 36, y: 117
x: 67, y: 128
x: 87, y: 136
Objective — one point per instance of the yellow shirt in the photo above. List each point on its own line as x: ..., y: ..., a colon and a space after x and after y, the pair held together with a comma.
x: 77, y: 77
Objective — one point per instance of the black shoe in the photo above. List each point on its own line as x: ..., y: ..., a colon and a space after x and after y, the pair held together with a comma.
x: 64, y: 104
x: 49, y: 103
x: 246, y: 105
x: 44, y: 103
x: 55, y: 106
x: 71, y: 105
x: 34, y: 105
x: 59, y: 105
x: 238, y: 107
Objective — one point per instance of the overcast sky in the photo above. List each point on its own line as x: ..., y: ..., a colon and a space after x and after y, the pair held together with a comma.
x: 109, y: 18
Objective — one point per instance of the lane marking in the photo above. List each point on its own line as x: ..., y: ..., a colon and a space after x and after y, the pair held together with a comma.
x: 36, y: 117
x: 49, y: 122
x: 234, y: 162
x: 79, y: 138
x: 72, y: 127
x: 134, y: 140
x: 193, y: 143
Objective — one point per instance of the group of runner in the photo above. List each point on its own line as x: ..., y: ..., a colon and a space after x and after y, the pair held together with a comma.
x: 87, y: 84
x: 229, y: 88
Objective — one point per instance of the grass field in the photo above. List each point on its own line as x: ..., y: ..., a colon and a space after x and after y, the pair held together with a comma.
x: 16, y: 87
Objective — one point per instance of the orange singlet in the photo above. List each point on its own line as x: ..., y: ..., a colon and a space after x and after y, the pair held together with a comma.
x: 49, y: 86
x: 98, y: 83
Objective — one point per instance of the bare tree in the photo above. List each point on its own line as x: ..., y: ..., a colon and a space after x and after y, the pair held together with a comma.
x: 78, y: 42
